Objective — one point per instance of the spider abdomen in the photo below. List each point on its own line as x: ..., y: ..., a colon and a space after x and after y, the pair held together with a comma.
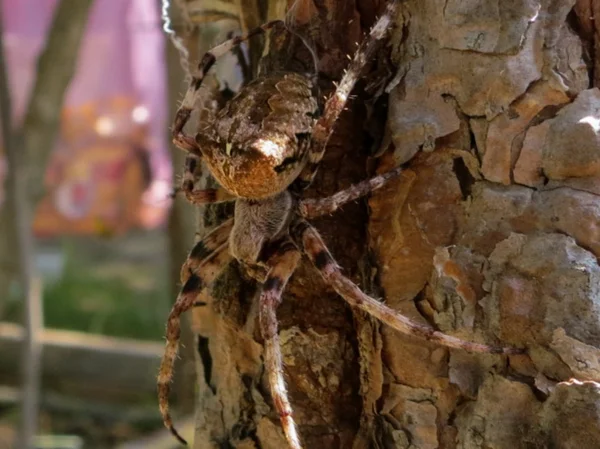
x: 257, y: 144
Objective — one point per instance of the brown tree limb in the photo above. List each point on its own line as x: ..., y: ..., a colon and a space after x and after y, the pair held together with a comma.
x: 28, y: 151
x: 8, y: 243
x: 55, y: 69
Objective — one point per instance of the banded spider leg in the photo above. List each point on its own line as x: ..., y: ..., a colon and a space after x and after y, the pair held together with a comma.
x: 337, y: 102
x: 204, y: 263
x: 309, y: 240
x: 282, y: 265
x: 315, y: 207
x: 182, y: 115
x: 199, y: 196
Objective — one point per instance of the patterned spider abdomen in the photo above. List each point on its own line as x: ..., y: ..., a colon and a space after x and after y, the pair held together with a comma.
x: 258, y: 142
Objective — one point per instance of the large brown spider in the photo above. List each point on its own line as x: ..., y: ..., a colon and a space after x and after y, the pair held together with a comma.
x: 264, y: 147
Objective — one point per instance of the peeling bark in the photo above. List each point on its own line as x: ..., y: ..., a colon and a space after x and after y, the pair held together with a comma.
x: 491, y: 234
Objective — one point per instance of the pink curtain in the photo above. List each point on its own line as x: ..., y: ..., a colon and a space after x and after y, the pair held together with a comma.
x: 122, y: 54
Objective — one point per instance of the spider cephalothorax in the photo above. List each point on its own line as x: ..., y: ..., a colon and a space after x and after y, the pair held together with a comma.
x: 258, y: 143
x: 264, y: 147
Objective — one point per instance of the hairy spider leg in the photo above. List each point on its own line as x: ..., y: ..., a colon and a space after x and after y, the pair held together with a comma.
x: 205, y: 262
x: 199, y: 196
x: 242, y: 60
x: 205, y: 247
x: 209, y: 196
x: 337, y: 102
x: 282, y: 265
x: 209, y: 270
x: 181, y: 139
x: 191, y: 166
x: 310, y: 241
x: 315, y: 207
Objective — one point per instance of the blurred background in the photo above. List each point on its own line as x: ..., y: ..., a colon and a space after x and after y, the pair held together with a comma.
x: 90, y: 241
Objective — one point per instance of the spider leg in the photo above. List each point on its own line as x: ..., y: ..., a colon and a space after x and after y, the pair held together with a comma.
x: 199, y: 196
x: 192, y: 162
x: 205, y: 248
x: 310, y: 241
x: 311, y: 208
x: 337, y: 102
x: 242, y: 61
x: 206, y: 196
x: 282, y: 265
x: 185, y: 110
x: 185, y: 142
x: 204, y: 263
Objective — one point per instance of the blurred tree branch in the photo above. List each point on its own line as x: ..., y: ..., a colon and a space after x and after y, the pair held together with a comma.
x: 8, y: 229
x: 28, y: 150
x: 30, y: 146
x: 55, y: 69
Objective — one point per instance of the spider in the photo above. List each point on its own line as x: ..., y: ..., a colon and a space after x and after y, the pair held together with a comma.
x: 264, y: 147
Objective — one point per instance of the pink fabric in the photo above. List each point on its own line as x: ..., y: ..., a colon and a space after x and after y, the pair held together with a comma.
x: 122, y: 54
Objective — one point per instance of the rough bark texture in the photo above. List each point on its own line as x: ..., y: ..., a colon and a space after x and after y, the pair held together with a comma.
x: 491, y: 234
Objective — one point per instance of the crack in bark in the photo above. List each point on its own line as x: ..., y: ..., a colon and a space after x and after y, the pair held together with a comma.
x: 464, y: 177
x: 206, y: 360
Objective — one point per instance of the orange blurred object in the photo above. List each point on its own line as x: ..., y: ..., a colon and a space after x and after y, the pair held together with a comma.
x: 99, y: 172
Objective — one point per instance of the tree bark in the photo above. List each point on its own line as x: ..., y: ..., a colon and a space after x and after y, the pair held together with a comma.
x: 181, y: 226
x: 491, y: 234
x: 185, y: 223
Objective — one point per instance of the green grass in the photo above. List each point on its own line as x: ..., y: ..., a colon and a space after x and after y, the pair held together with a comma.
x: 116, y: 287
x: 85, y: 303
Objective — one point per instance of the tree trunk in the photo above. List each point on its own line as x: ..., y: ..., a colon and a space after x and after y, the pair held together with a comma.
x: 34, y: 139
x: 28, y: 149
x: 491, y: 235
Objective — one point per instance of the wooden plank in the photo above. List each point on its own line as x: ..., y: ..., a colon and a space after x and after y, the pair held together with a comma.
x: 52, y: 402
x: 158, y: 439
x: 85, y: 364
